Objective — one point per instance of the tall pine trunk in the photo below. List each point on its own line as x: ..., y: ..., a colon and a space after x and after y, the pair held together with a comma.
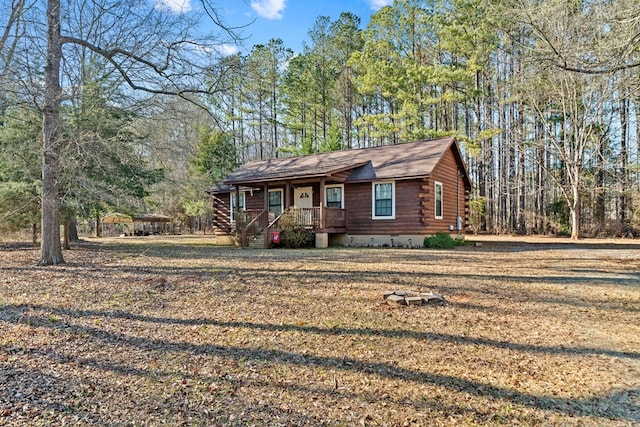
x: 624, y: 133
x: 599, y: 210
x: 50, y: 248
x: 522, y: 183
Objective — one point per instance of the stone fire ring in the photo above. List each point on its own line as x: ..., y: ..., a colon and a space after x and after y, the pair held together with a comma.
x: 397, y: 298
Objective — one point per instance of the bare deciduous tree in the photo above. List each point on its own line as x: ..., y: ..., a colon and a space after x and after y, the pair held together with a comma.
x: 577, y: 52
x: 151, y: 47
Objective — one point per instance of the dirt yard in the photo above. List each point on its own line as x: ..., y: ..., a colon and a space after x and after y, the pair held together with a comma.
x: 168, y: 332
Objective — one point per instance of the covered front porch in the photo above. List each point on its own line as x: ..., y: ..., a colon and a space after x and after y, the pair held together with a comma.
x: 316, y: 206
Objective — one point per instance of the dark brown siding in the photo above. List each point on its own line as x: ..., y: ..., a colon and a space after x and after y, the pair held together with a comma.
x: 222, y: 204
x: 221, y: 216
x: 453, y: 195
x: 222, y: 210
x: 254, y: 202
x: 415, y: 204
x: 414, y: 209
x: 359, y: 212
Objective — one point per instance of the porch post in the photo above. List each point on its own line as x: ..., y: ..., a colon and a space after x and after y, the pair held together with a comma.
x: 322, y: 203
x: 287, y: 196
x: 241, y: 232
x: 266, y: 209
x: 236, y: 206
x: 266, y: 197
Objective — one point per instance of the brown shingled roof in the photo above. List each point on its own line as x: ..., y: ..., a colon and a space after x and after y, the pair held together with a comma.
x: 409, y: 160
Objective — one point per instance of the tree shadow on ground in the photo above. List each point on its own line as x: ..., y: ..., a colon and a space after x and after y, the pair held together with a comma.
x: 58, y: 397
x: 626, y: 409
x: 15, y: 312
x: 272, y: 268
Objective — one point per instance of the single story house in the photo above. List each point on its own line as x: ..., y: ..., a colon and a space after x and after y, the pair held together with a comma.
x: 390, y: 195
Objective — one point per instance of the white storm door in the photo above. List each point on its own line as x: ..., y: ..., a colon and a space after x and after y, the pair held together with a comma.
x: 303, y: 200
x: 303, y: 197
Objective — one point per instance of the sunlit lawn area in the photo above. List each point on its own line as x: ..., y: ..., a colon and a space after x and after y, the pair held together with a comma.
x: 179, y: 331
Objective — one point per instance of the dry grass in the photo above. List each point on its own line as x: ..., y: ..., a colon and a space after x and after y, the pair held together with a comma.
x: 150, y: 331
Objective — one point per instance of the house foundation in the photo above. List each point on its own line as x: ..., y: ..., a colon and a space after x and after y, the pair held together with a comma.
x: 378, y: 240
x: 322, y: 240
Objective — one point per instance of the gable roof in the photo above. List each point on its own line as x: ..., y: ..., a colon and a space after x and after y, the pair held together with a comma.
x: 401, y: 161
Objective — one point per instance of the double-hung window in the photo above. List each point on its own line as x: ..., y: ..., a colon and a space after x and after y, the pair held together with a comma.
x: 241, y: 206
x: 334, y: 196
x: 275, y: 202
x: 384, y: 200
x: 438, y: 200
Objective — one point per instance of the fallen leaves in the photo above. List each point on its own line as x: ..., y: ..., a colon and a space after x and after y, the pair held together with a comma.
x: 139, y: 333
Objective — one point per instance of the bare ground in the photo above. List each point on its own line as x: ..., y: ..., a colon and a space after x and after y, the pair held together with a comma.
x: 155, y: 331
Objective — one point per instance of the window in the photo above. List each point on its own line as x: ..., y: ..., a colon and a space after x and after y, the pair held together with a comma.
x: 438, y: 200
x: 384, y: 200
x: 275, y: 202
x: 334, y: 197
x: 242, y: 205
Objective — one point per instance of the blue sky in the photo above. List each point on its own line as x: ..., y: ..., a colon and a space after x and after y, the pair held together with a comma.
x: 289, y: 20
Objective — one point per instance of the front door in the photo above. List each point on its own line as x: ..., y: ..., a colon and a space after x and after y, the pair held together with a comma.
x: 303, y: 197
x: 303, y: 201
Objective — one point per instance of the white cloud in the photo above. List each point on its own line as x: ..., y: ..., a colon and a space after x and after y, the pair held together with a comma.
x: 269, y: 9
x: 177, y: 6
x: 379, y: 4
x: 224, y: 49
x: 227, y: 49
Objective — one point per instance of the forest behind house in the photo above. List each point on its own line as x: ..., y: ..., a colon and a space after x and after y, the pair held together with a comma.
x: 542, y: 96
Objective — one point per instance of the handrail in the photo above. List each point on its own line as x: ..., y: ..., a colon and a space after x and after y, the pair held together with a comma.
x: 275, y: 221
x: 244, y: 217
x: 250, y: 224
x: 254, y: 220
x: 307, y: 217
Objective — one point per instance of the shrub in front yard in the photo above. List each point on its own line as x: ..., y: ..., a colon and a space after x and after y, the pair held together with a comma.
x: 295, y: 235
x: 442, y: 240
x: 297, y: 238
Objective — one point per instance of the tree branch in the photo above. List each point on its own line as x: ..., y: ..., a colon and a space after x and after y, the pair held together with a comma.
x: 160, y: 70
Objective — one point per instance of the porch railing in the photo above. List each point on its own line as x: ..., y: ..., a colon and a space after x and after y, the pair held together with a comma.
x: 244, y: 217
x: 250, y: 223
x: 306, y: 217
x: 253, y: 222
x: 310, y: 218
x: 335, y: 218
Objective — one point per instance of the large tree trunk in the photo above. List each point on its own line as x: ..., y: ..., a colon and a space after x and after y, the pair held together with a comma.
x: 50, y: 249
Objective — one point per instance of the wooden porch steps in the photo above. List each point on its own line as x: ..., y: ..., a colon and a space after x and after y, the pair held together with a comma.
x: 257, y: 242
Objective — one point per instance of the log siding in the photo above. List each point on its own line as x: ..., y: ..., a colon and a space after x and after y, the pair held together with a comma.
x: 414, y: 204
x: 414, y: 210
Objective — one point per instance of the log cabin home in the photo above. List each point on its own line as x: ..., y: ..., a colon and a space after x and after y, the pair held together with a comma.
x: 392, y: 195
